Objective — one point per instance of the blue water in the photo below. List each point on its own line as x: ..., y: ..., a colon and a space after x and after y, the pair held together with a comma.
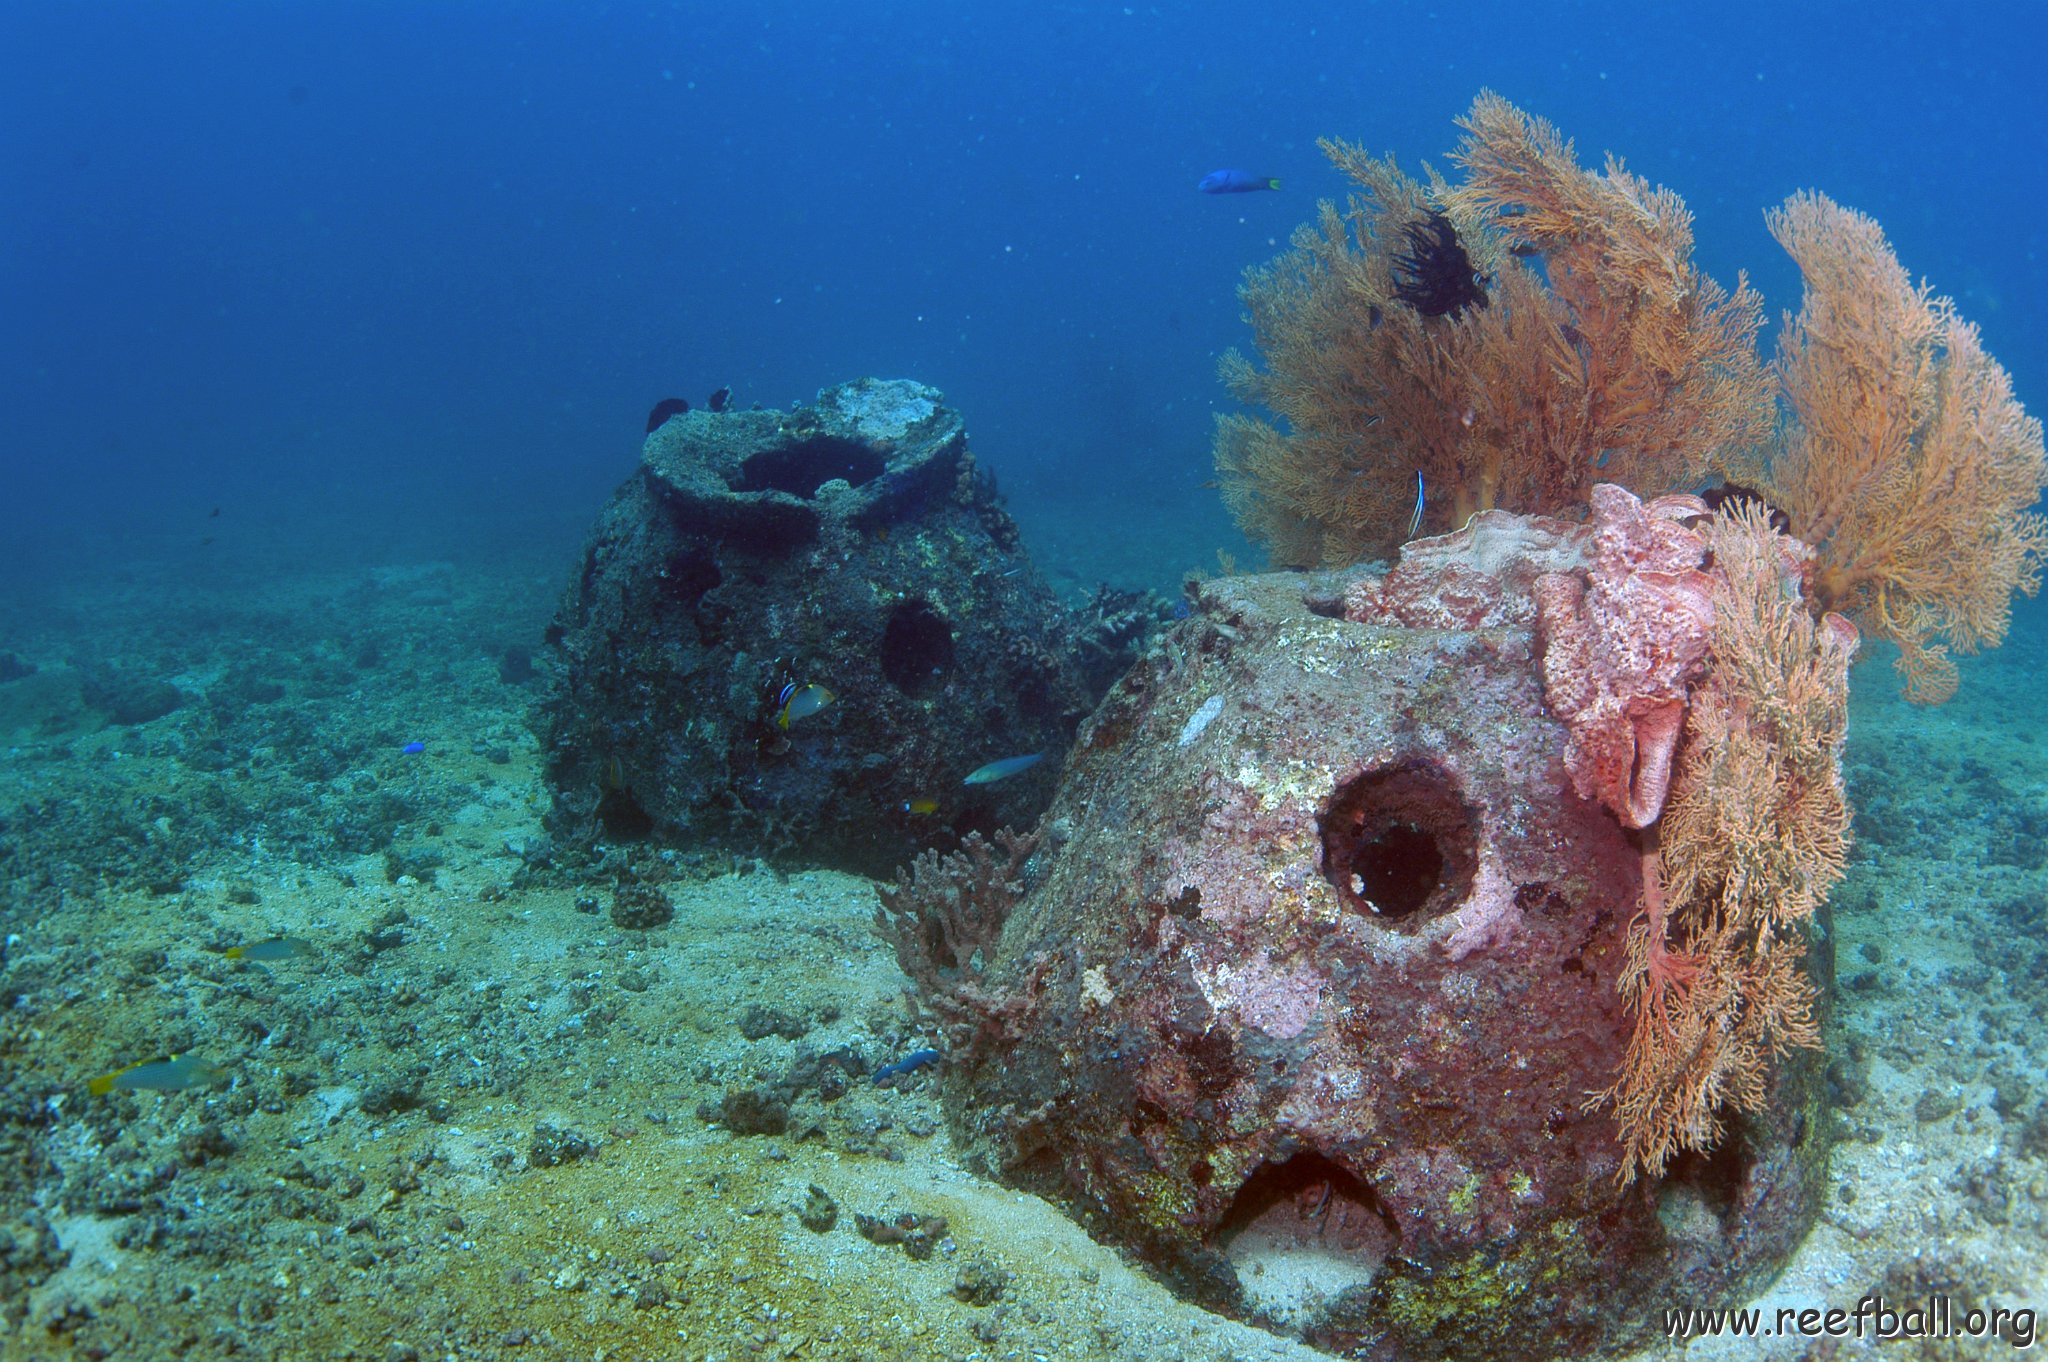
x: 386, y: 280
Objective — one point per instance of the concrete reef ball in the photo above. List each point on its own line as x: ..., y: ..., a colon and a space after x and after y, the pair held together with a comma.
x: 1315, y: 975
x: 852, y: 545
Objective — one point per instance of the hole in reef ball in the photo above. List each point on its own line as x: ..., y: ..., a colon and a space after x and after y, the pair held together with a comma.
x: 623, y: 817
x: 1303, y: 1233
x: 1398, y: 845
x: 917, y: 648
x: 801, y: 469
x: 686, y: 577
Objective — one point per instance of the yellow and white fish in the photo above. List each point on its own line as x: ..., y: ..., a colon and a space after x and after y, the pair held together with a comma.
x: 173, y: 1073
x: 800, y: 703
x: 276, y: 948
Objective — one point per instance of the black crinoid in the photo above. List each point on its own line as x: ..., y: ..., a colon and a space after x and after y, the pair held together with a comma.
x: 1436, y: 277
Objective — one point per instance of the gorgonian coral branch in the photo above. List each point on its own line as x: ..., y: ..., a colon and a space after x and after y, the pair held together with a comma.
x: 1668, y: 370
x: 1908, y: 464
x: 1405, y: 334
x: 1753, y: 837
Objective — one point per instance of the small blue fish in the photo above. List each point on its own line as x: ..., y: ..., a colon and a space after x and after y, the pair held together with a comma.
x: 413, y: 749
x: 1004, y: 769
x: 1415, y: 518
x: 910, y: 1063
x: 1235, y: 182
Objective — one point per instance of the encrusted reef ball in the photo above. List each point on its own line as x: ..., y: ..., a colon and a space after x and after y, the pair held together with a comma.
x: 794, y: 633
x: 1317, y: 975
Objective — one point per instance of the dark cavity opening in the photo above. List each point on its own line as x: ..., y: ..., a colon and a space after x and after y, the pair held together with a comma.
x: 1304, y: 1237
x: 1312, y: 1196
x: 622, y: 817
x: 801, y: 469
x: 686, y: 576
x: 917, y: 648
x: 1398, y: 845
x: 1716, y: 1179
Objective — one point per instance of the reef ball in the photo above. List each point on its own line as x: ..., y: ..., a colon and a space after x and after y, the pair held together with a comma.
x: 848, y: 555
x: 1317, y: 976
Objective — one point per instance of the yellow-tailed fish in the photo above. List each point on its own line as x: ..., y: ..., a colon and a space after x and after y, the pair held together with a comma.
x: 277, y: 948
x: 921, y: 807
x: 173, y: 1073
x: 800, y: 703
x: 1004, y: 769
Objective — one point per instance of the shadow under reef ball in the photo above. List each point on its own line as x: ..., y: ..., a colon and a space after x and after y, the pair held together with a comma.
x: 794, y: 635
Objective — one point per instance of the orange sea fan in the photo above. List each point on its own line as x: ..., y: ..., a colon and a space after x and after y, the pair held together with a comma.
x: 1361, y: 398
x: 1605, y: 355
x: 1907, y: 463
x: 1667, y: 368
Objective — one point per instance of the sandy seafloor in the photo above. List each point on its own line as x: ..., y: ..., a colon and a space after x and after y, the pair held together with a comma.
x: 467, y: 1126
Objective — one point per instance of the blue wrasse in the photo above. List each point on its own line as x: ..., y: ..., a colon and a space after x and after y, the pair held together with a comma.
x: 1415, y: 516
x: 174, y: 1073
x: 1235, y: 182
x: 1003, y: 770
x: 910, y: 1063
x: 800, y: 703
